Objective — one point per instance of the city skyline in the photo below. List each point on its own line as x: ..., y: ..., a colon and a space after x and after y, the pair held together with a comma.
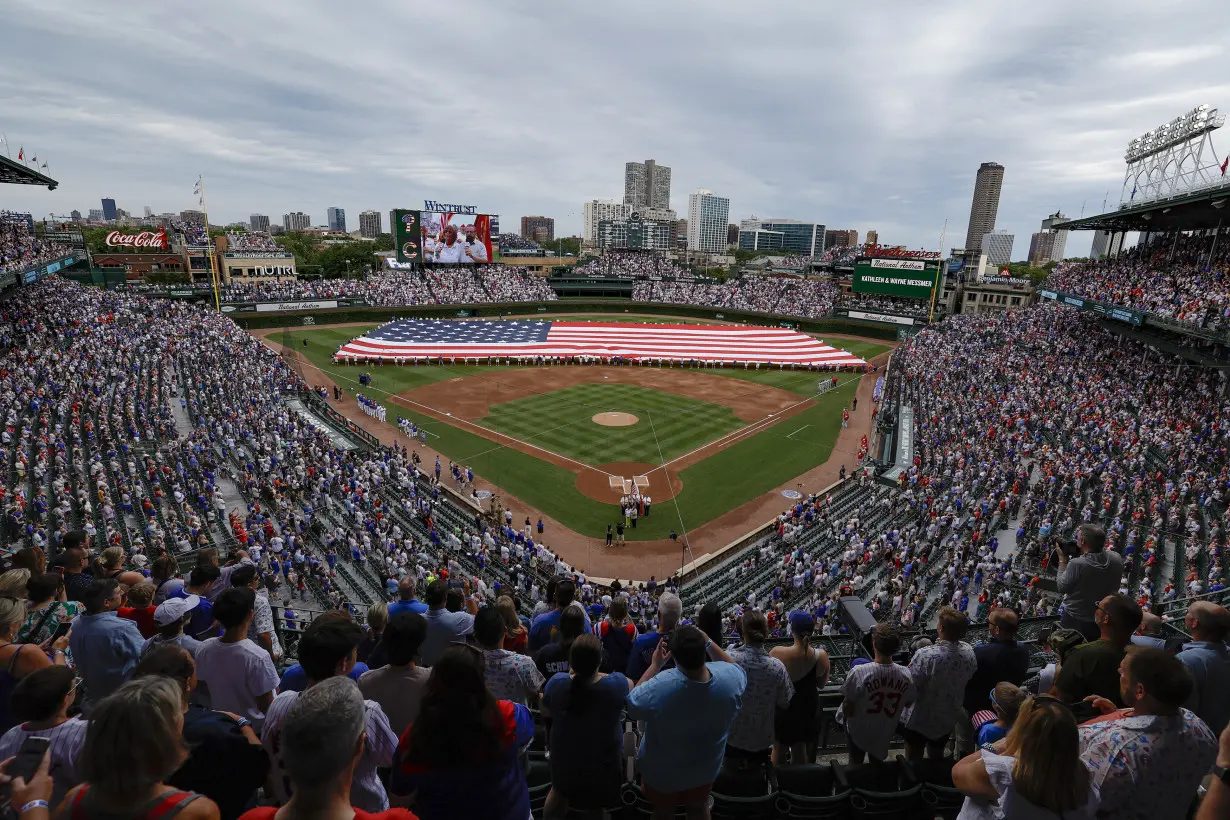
x: 936, y: 93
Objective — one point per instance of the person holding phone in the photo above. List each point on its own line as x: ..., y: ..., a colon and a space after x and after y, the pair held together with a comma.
x: 41, y: 701
x: 17, y: 660
x: 31, y: 796
x: 48, y: 612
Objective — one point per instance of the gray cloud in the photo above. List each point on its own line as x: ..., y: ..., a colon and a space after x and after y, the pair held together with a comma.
x: 867, y: 115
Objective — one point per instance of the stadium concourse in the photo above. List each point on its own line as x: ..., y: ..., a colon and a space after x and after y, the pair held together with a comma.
x: 143, y: 437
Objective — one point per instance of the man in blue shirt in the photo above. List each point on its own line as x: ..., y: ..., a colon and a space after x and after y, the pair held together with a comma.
x: 406, y: 602
x: 105, y: 647
x: 670, y: 610
x: 687, y: 713
x: 1209, y: 662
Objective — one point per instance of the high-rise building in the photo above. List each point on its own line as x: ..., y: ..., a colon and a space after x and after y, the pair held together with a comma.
x: 840, y: 239
x: 997, y: 245
x: 647, y: 185
x: 985, y: 205
x: 369, y: 224
x: 259, y: 222
x: 76, y: 215
x: 596, y: 210
x: 108, y: 209
x: 873, y: 237
x: 679, y: 235
x: 803, y: 238
x: 96, y: 215
x: 758, y: 239
x: 296, y: 221
x: 708, y: 218
x: 1048, y: 244
x: 336, y: 219
x: 148, y: 212
x: 1103, y: 247
x: 538, y: 228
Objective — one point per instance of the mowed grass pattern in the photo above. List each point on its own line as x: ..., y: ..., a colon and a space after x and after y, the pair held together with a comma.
x: 562, y: 422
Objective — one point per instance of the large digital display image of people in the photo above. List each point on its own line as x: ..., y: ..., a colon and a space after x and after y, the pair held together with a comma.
x: 456, y: 239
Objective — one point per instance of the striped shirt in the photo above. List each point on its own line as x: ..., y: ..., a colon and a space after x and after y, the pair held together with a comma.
x: 67, y: 740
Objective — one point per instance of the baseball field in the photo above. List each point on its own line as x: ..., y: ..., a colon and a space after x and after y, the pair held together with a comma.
x: 700, y: 441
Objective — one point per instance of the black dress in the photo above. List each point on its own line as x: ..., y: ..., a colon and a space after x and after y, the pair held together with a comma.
x: 799, y: 721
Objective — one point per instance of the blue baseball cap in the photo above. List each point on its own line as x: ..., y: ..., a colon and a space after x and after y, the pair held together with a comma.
x: 801, y: 621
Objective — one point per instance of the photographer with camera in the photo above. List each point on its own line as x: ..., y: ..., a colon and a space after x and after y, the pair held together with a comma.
x: 1087, y: 579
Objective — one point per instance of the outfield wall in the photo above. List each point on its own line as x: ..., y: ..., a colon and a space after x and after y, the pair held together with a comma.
x: 375, y: 315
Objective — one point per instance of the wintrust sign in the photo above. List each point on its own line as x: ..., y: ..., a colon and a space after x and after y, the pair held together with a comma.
x: 145, y: 239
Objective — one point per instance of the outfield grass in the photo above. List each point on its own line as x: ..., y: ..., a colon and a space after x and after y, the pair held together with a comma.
x: 720, y: 483
x: 668, y: 425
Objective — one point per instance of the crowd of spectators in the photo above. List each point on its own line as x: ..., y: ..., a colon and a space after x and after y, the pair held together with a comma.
x: 404, y: 288
x: 1186, y: 279
x: 20, y: 248
x: 625, y: 264
x: 916, y: 308
x: 511, y: 243
x: 252, y: 242
x: 788, y: 296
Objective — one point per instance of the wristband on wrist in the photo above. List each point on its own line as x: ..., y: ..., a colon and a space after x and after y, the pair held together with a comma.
x: 36, y: 804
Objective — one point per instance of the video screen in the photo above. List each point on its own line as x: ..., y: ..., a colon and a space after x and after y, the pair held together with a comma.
x: 456, y: 239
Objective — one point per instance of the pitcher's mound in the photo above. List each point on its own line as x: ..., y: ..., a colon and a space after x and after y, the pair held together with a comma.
x: 615, y: 419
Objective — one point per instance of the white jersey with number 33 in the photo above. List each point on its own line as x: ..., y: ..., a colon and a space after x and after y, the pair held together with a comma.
x: 875, y: 694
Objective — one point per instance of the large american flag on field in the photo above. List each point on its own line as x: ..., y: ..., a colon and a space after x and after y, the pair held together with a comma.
x: 435, y: 338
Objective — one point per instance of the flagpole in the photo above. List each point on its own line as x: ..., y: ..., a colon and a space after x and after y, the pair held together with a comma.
x: 213, y: 271
x: 8, y: 149
x: 939, y: 274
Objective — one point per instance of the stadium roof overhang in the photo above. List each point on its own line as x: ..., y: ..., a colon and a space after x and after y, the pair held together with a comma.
x: 17, y: 174
x: 1196, y: 211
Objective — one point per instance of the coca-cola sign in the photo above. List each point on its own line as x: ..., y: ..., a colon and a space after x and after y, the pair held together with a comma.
x: 145, y: 239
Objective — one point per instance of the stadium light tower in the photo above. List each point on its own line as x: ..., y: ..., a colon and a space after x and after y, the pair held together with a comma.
x: 1174, y: 158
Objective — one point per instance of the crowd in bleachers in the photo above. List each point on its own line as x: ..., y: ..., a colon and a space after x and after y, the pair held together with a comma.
x: 784, y: 295
x: 403, y: 288
x: 1187, y: 279
x: 625, y: 264
x: 252, y: 242
x: 916, y: 308
x: 511, y: 243
x: 20, y: 248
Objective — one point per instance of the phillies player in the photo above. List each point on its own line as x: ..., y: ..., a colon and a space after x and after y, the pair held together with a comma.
x: 875, y: 693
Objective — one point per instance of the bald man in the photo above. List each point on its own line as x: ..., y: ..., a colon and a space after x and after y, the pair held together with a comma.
x: 1150, y: 632
x: 1209, y: 662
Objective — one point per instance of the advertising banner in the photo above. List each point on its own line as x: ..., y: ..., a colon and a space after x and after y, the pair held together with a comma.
x: 875, y: 317
x: 910, y: 278
x: 407, y: 236
x: 1049, y: 294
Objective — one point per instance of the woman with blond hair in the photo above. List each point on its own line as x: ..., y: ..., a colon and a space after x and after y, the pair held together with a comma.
x: 133, y: 743
x: 20, y: 659
x: 110, y: 564
x: 516, y: 636
x: 1037, y: 773
x: 13, y: 583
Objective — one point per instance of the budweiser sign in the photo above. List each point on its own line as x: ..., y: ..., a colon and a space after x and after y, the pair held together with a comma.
x: 899, y: 253
x: 145, y: 239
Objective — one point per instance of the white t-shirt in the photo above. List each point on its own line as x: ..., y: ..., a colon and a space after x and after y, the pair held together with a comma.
x: 67, y: 740
x: 236, y: 674
x: 877, y: 692
x: 451, y: 253
x: 1011, y: 806
x: 366, y: 790
x: 478, y: 252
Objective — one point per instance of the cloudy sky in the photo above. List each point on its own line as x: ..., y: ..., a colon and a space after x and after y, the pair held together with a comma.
x: 861, y: 115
